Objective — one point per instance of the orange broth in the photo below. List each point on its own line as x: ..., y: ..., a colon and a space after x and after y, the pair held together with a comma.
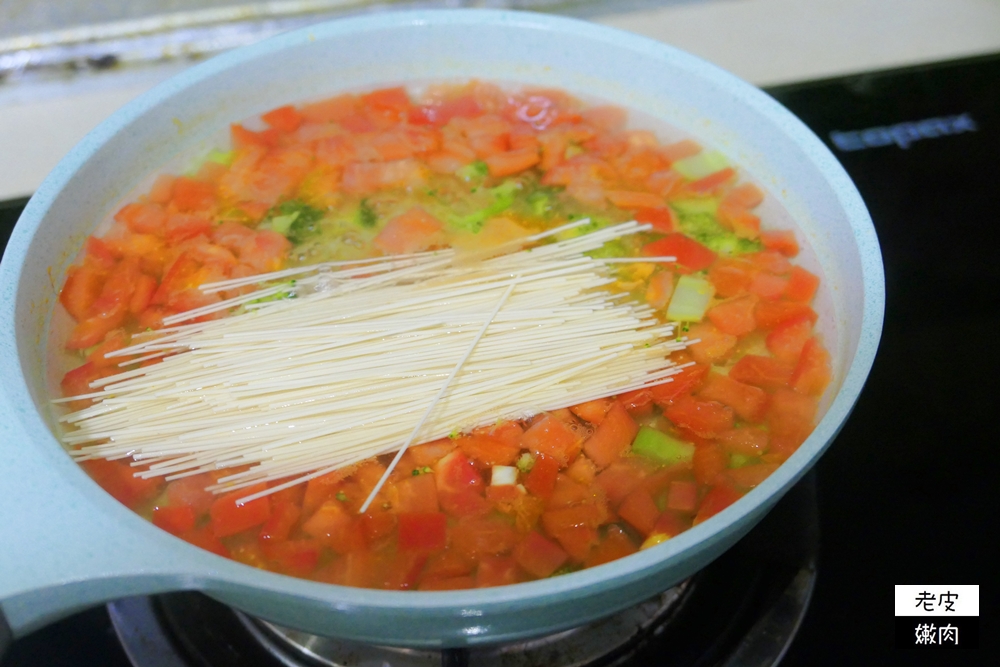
x: 383, y: 173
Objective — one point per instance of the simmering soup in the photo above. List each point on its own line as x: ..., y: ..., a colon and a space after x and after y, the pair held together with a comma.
x: 480, y: 172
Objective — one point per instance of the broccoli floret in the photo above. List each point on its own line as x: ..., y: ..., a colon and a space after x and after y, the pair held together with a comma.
x: 295, y: 219
x: 366, y: 216
x: 503, y: 198
x: 705, y: 228
x: 475, y: 171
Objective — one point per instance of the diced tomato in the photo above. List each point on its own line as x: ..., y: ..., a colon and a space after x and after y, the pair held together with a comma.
x: 203, y: 538
x: 782, y: 241
x: 284, y: 119
x: 786, y: 340
x: 593, y: 411
x: 552, y: 437
x: 718, y: 498
x: 790, y: 418
x: 377, y: 524
x: 423, y: 531
x: 119, y: 479
x: 671, y: 523
x: 688, y: 252
x: 749, y: 476
x: 162, y: 189
x: 115, y: 340
x: 496, y: 571
x: 410, y: 232
x: 680, y: 150
x: 731, y: 277
x: 770, y: 314
x: 659, y: 289
x: 770, y: 261
x: 174, y: 520
x: 417, y: 494
x: 455, y: 472
x: 446, y: 564
x: 638, y: 403
x: 229, y: 518
x: 768, y: 286
x: 683, y: 496
x: 639, y: 510
x: 82, y: 287
x: 538, y: 556
x: 467, y: 502
x: 542, y: 479
x: 712, y: 183
x: 682, y: 384
x: 191, y: 491
x: 480, y: 536
x: 512, y: 162
x: 663, y: 219
x: 713, y: 346
x: 142, y: 218
x: 616, y: 544
x: 742, y: 222
x: 633, y: 200
x: 764, y: 372
x: 582, y: 470
x: 192, y: 195
x: 746, y: 400
x: 812, y: 373
x: 100, y: 254
x: 404, y: 570
x: 568, y: 492
x: 745, y: 440
x: 284, y: 516
x: 242, y: 137
x: 705, y: 418
x: 613, y: 436
x: 745, y: 195
x: 145, y: 287
x: 488, y: 450
x: 430, y: 453
x: 328, y: 520
x: 736, y: 316
x: 295, y: 557
x: 802, y: 285
x: 708, y: 463
x: 577, y: 540
x: 619, y: 480
x: 387, y: 100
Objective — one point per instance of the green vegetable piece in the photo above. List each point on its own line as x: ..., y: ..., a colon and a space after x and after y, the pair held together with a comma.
x: 704, y: 227
x: 475, y: 171
x: 700, y: 165
x: 738, y: 460
x: 221, y: 157
x: 283, y: 223
x: 503, y: 198
x: 302, y: 226
x: 525, y: 463
x: 660, y: 447
x: 690, y: 299
x: 694, y: 206
x: 366, y: 217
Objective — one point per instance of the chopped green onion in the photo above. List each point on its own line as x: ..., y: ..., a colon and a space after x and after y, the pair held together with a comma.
x: 690, y: 299
x: 660, y: 447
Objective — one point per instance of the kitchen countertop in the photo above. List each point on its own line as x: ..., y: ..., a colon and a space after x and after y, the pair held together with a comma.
x: 766, y: 42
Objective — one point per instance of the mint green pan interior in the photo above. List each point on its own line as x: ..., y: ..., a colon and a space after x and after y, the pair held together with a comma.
x: 65, y: 544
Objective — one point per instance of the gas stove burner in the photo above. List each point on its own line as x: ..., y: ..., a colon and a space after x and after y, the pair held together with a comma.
x: 616, y: 635
x: 742, y: 610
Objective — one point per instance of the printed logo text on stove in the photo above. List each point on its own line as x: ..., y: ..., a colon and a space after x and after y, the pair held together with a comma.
x: 903, y: 134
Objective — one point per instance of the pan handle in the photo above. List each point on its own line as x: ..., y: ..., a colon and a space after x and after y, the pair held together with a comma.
x: 65, y: 544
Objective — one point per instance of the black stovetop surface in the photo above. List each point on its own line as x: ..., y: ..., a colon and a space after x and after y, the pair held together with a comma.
x: 908, y: 493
